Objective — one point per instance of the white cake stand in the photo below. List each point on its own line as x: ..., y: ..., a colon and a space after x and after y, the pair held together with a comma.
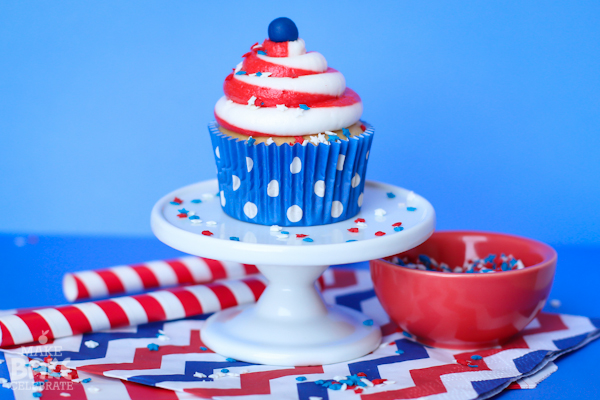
x: 291, y: 325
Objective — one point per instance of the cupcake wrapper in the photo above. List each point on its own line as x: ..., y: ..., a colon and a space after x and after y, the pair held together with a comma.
x: 291, y: 185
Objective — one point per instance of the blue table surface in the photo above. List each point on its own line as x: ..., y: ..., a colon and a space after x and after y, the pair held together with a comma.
x: 32, y: 270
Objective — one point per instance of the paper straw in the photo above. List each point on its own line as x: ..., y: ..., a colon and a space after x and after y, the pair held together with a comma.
x: 163, y: 305
x: 124, y: 279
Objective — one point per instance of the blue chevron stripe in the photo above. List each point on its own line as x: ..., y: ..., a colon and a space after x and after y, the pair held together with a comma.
x: 353, y: 300
x: 5, y: 394
x: 572, y: 341
x: 412, y: 351
x: 529, y: 361
x: 310, y: 389
x: 191, y: 367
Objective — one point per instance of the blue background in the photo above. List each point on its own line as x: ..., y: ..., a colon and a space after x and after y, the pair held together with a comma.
x: 488, y: 109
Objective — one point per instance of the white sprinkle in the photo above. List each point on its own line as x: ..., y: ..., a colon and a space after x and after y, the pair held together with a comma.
x: 381, y: 346
x: 163, y: 338
x: 213, y: 376
x: 232, y: 374
x: 314, y: 140
x: 65, y: 394
x: 344, y: 387
x: 93, y: 389
x: 367, y: 382
x: 1, y: 361
x: 211, y: 223
x: 3, y: 380
x: 6, y: 385
x: 196, y: 221
x: 380, y: 212
x: 389, y: 382
x: 322, y: 138
x: 315, y: 398
x: 190, y: 213
x: 339, y: 378
x: 199, y: 375
x: 270, y: 141
x: 411, y: 197
x: 520, y: 264
x: 305, y: 142
x: 281, y: 107
x: 361, y: 224
x: 257, y: 46
x: 208, y: 196
x: 282, y: 236
x: 221, y: 375
x: 251, y: 104
x: 91, y: 344
x: 555, y: 303
x: 299, y: 112
x: 275, y: 228
x: 239, y: 66
x: 266, y: 74
x: 331, y: 133
x: 244, y: 371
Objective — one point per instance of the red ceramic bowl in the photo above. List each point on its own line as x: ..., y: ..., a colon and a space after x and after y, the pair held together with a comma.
x: 460, y: 310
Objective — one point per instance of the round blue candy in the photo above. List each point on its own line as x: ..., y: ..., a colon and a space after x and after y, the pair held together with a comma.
x: 282, y: 29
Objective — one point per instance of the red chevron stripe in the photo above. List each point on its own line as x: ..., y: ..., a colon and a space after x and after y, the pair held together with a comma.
x: 137, y: 391
x: 146, y: 359
x: 255, y: 383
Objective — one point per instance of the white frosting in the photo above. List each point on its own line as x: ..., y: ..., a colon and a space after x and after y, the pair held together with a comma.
x: 270, y: 120
x: 296, y: 48
x: 329, y: 83
x: 311, y: 61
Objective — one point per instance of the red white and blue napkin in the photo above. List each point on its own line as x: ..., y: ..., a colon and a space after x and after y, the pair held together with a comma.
x: 167, y: 360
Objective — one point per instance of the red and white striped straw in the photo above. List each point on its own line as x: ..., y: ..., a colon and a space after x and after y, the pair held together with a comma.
x: 150, y: 275
x: 162, y: 305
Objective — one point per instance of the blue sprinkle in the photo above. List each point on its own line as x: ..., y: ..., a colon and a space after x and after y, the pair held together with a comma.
x: 361, y: 384
x: 196, y: 201
x: 284, y: 232
x: 411, y: 208
x: 304, y: 106
x: 391, y: 195
x: 408, y: 335
x: 37, y: 384
x: 301, y: 378
x: 250, y: 141
x: 476, y: 357
x: 194, y: 217
x: 473, y: 366
x: 174, y: 203
x: 505, y: 267
x: 218, y: 194
x: 335, y: 386
x: 332, y: 138
x: 346, y: 132
x: 307, y: 240
x: 234, y: 238
x: 224, y: 370
x: 351, y: 240
x: 425, y: 260
x: 259, y: 74
x: 262, y: 53
x: 320, y: 382
x: 399, y: 351
x: 86, y: 380
x: 54, y: 374
x: 152, y: 347
x: 398, y: 228
x: 37, y: 394
x: 203, y: 348
x: 230, y: 360
x: 347, y: 382
x: 241, y: 73
x: 183, y: 211
x: 368, y: 322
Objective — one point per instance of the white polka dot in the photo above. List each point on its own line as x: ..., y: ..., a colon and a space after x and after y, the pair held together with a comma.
x: 249, y: 163
x: 336, y: 209
x: 340, y: 164
x: 217, y: 152
x: 296, y: 165
x: 222, y: 196
x: 250, y: 209
x: 294, y: 213
x: 320, y: 188
x: 360, y: 200
x: 356, y: 180
x: 367, y: 156
x: 273, y: 188
x: 236, y: 182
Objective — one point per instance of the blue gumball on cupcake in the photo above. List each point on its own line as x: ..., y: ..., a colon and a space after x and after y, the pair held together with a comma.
x: 283, y: 29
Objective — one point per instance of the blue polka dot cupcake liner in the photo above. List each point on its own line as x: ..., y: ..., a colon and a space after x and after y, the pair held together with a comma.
x: 291, y: 185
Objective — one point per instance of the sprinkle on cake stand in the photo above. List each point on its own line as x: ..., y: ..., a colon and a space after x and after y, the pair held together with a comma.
x: 291, y: 325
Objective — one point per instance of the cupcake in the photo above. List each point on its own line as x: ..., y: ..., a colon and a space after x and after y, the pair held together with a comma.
x: 288, y: 141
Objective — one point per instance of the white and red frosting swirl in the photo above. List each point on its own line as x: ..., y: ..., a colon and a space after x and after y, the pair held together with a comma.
x: 281, y: 90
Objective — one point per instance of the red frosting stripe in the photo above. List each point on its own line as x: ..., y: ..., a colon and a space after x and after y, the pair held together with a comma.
x: 274, y: 49
x: 252, y: 64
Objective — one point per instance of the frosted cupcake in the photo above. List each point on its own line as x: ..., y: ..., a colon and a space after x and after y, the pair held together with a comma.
x: 288, y: 141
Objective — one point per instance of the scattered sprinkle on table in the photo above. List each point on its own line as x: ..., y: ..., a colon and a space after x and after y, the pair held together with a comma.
x: 353, y: 230
x: 203, y: 348
x: 391, y: 195
x: 411, y: 208
x: 301, y: 378
x: 231, y: 360
x: 307, y: 239
x: 368, y: 322
x: 207, y: 233
x: 153, y: 347
x: 379, y: 233
x: 234, y: 238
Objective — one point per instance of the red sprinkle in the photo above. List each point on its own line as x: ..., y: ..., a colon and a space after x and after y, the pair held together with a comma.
x: 300, y: 235
x: 177, y: 200
x: 397, y: 224
x: 207, y: 233
x: 378, y: 381
x: 353, y: 230
x: 364, y: 128
x: 251, y: 47
x: 379, y: 233
x: 361, y: 374
x: 247, y: 54
x: 358, y: 391
x: 182, y: 215
x: 357, y: 220
x: 299, y: 139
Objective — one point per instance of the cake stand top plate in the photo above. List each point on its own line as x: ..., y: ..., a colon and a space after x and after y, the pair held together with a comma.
x: 258, y: 244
